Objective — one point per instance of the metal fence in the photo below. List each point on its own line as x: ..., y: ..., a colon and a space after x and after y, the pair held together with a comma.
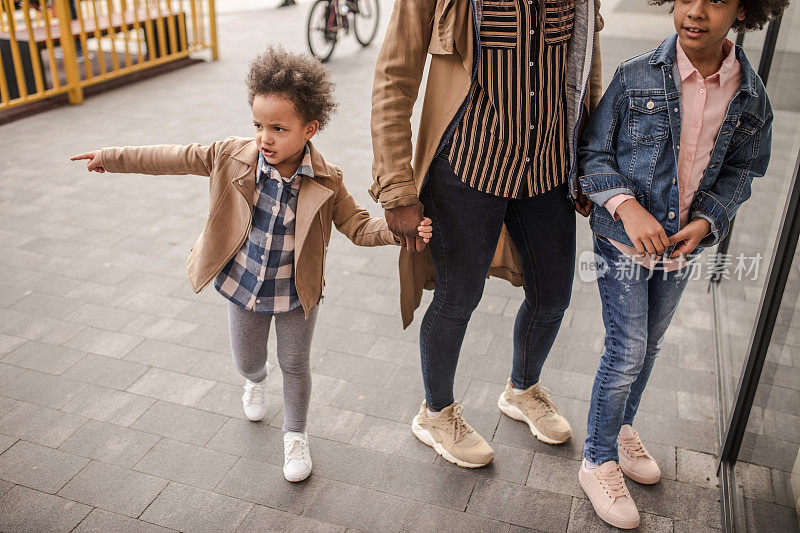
x: 52, y: 47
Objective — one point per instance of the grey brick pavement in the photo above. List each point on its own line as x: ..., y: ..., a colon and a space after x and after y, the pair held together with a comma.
x: 119, y: 405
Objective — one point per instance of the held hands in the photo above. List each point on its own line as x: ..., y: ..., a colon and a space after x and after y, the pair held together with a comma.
x: 582, y: 203
x: 690, y: 236
x: 406, y: 222
x: 644, y: 231
x: 94, y: 164
x: 425, y: 230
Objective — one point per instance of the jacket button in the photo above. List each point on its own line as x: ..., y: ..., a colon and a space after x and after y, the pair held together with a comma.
x: 241, y: 182
x: 738, y: 123
x: 671, y: 215
x: 650, y: 105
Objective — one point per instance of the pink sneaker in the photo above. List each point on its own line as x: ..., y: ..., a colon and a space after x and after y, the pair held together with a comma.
x: 605, y: 487
x: 634, y: 460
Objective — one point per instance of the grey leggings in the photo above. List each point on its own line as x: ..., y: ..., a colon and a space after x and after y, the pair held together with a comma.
x: 249, y: 334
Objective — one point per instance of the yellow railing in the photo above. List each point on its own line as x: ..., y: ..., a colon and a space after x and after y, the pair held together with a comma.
x: 52, y: 47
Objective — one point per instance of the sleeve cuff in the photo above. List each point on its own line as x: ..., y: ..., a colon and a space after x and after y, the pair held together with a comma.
x: 601, y: 197
x: 600, y: 188
x: 707, y: 207
x: 396, y: 195
x: 614, y: 202
x: 714, y: 237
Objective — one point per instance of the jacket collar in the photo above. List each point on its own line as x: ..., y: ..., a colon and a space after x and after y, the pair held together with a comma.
x: 666, y: 54
x: 248, y: 154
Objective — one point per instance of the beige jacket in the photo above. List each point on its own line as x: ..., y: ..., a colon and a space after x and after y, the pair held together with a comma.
x: 444, y: 29
x: 231, y: 165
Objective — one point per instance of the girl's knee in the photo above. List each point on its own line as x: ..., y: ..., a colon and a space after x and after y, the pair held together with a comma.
x: 624, y: 360
x: 295, y: 363
x: 252, y: 372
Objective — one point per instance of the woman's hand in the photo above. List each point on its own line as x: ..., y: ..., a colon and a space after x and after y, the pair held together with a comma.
x: 690, y: 236
x: 94, y: 164
x: 644, y: 231
x: 582, y: 203
x: 403, y: 221
x: 425, y: 229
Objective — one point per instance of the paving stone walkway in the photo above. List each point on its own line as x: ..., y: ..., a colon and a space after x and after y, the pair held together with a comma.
x: 119, y: 404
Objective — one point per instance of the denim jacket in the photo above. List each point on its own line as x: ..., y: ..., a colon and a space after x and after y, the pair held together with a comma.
x: 631, y: 143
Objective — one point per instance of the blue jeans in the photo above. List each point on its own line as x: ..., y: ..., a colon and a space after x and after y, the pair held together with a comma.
x: 638, y: 305
x: 467, y: 225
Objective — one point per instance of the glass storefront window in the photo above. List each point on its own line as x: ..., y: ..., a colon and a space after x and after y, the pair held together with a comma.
x: 768, y: 466
x: 757, y: 222
x: 766, y: 495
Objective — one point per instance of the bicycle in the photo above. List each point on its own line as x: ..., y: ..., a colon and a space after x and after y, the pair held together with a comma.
x: 328, y: 17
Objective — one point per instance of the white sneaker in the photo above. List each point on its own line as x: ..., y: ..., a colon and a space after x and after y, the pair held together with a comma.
x: 296, y: 457
x: 253, y: 401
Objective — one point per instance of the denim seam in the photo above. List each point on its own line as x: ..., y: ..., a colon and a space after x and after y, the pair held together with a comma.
x: 602, y: 386
x: 524, y: 302
x: 438, y: 307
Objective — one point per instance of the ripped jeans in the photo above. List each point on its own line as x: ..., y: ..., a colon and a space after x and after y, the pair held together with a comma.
x: 638, y: 305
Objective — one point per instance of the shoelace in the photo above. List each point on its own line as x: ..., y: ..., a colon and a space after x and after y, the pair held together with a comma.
x: 541, y: 395
x: 460, y: 426
x: 613, y: 482
x: 633, y: 445
x: 295, y: 449
x: 252, y: 392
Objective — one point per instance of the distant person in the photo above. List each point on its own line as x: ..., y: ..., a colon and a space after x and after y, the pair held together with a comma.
x: 667, y: 159
x: 73, y: 12
x: 273, y: 201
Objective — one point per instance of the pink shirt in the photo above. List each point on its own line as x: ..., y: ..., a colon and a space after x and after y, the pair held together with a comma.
x: 704, y: 103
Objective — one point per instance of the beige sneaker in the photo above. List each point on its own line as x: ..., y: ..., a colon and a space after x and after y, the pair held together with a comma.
x: 533, y: 406
x: 605, y: 487
x: 452, y: 437
x: 634, y: 460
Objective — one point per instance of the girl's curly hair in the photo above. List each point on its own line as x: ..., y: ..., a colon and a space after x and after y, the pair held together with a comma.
x: 757, y: 12
x: 297, y: 77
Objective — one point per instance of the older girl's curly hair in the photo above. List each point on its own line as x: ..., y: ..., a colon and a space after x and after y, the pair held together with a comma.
x: 297, y: 77
x: 756, y: 12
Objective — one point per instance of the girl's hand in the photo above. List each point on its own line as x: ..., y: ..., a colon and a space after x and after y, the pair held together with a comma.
x: 645, y: 232
x: 94, y: 164
x: 690, y: 236
x: 425, y: 230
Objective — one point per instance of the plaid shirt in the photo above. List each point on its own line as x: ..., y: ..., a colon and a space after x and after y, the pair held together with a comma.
x: 260, y: 277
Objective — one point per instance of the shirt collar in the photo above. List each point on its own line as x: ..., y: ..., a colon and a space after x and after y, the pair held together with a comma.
x: 268, y: 171
x: 726, y: 71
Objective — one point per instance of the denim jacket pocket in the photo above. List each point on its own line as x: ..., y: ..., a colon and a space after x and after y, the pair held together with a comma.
x: 499, y: 24
x: 648, y: 118
x: 746, y: 127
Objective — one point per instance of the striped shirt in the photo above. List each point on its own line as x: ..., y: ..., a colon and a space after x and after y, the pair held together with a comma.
x: 513, y: 141
x: 260, y: 277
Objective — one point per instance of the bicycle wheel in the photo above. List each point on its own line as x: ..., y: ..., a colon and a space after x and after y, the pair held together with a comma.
x: 365, y: 21
x: 322, y: 30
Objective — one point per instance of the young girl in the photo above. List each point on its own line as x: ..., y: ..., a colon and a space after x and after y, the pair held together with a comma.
x: 272, y: 201
x: 667, y: 158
